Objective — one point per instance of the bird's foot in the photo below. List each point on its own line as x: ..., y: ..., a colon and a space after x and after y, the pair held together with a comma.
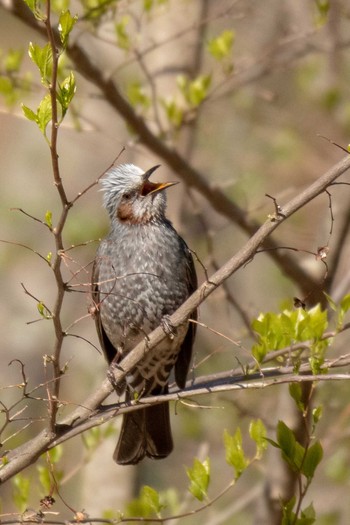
x: 168, y: 328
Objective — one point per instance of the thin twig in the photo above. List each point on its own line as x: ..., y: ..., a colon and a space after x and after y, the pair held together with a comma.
x: 96, y: 181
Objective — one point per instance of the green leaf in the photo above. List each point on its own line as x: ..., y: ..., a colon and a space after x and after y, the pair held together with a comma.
x: 60, y: 5
x: 313, y: 324
x: 331, y: 98
x: 95, y: 9
x: 66, y: 92
x: 146, y: 505
x: 345, y: 303
x: 273, y: 443
x: 151, y: 499
x: 275, y: 331
x: 147, y: 5
x: 113, y: 516
x: 194, y: 91
x: 336, y: 467
x: 29, y: 113
x: 173, y: 112
x: 323, y: 9
x: 259, y: 351
x: 198, y: 90
x: 44, y: 477
x: 34, y: 6
x: 308, y: 516
x: 137, y: 95
x: 42, y: 57
x: 235, y: 456
x: 221, y: 46
x: 6, y: 86
x: 123, y: 39
x: 295, y: 392
x: 41, y: 307
x: 330, y: 301
x: 322, y: 6
x: 316, y: 365
x: 43, y: 311
x: 44, y: 113
x: 288, y: 516
x: 343, y: 309
x: 199, y: 476
x: 317, y: 414
x: 31, y: 4
x: 20, y: 495
x: 257, y: 432
x: 48, y: 218
x: 312, y: 459
x: 13, y: 60
x: 280, y: 330
x: 65, y: 26
x: 10, y: 89
x: 292, y: 451
x: 286, y: 439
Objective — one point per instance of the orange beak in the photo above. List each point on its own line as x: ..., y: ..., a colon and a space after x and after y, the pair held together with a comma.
x: 149, y: 187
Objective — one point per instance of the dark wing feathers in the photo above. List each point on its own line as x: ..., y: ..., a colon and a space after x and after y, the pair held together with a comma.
x: 183, y: 362
x: 106, y: 345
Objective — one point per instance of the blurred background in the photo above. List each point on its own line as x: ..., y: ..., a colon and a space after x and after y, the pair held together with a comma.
x: 250, y: 113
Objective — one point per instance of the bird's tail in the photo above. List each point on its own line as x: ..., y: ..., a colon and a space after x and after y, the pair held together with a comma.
x: 144, y: 432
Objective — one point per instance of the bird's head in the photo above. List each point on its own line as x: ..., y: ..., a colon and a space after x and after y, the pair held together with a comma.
x: 130, y: 197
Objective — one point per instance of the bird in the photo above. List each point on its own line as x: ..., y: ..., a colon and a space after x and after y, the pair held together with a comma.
x: 143, y: 272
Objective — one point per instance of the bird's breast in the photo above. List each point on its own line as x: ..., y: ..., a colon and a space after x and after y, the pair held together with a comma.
x: 142, y: 277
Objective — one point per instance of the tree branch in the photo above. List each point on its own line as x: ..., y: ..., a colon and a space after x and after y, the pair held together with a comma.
x: 217, y: 198
x: 28, y: 453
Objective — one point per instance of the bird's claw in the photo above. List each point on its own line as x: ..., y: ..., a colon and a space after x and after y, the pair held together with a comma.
x: 111, y: 377
x: 168, y: 328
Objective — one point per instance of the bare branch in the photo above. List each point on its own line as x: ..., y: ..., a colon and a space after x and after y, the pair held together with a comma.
x: 85, y: 190
x: 14, y: 243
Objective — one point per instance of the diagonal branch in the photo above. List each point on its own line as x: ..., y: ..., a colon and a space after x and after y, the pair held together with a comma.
x: 192, y: 177
x: 28, y: 453
x: 242, y: 257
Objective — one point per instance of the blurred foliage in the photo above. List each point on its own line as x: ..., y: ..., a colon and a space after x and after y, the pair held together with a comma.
x: 242, y: 93
x: 12, y: 85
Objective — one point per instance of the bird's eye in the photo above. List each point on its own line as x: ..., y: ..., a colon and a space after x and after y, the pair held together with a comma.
x: 127, y: 196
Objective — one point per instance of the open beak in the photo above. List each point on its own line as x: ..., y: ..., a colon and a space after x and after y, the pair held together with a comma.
x: 149, y: 187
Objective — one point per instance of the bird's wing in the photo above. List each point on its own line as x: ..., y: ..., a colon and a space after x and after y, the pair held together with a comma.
x: 106, y: 345
x: 183, y: 362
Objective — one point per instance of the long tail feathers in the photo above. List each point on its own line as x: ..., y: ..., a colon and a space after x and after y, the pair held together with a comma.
x: 144, y: 432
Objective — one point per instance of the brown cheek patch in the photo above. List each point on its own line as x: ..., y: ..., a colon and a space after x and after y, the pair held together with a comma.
x: 125, y: 214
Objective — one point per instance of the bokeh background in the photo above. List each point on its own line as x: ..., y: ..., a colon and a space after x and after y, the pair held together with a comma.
x: 283, y: 85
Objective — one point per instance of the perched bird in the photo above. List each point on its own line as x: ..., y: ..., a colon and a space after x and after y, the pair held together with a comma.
x: 142, y: 273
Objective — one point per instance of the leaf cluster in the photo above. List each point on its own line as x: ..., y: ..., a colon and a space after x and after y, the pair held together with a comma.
x: 42, y: 57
